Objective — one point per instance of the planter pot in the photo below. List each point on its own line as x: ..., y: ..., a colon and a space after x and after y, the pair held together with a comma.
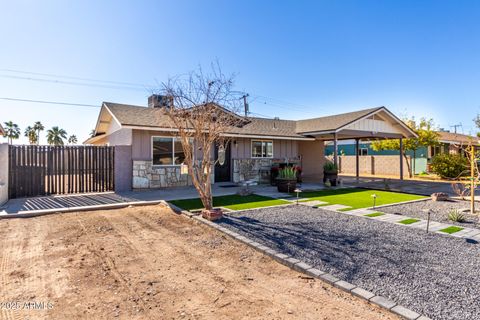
x: 212, y: 215
x: 333, y: 182
x: 330, y: 175
x: 286, y: 185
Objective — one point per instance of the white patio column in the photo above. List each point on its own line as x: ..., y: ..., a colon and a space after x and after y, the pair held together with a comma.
x: 335, y: 149
x: 357, y: 158
x: 401, y: 159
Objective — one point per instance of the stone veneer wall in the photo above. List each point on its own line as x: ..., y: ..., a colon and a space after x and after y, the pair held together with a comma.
x: 146, y: 176
x: 256, y: 167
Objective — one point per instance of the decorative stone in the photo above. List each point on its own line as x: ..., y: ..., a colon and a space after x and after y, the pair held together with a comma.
x: 439, y: 196
x: 212, y: 215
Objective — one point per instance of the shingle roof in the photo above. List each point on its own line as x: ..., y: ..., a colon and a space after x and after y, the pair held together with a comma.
x: 445, y: 136
x: 330, y: 123
x: 155, y: 117
x: 129, y: 115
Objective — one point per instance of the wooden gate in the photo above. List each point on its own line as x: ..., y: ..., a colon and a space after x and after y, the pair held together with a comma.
x: 46, y: 170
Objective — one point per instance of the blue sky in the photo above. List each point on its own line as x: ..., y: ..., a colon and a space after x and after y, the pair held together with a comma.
x: 296, y: 59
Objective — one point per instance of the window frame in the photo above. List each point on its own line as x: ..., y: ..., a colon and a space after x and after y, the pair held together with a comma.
x: 260, y: 140
x: 173, y: 151
x: 361, y: 151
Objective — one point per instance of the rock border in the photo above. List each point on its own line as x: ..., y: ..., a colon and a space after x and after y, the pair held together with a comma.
x: 307, y: 269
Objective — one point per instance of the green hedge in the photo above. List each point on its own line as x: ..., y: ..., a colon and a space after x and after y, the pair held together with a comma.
x: 450, y: 165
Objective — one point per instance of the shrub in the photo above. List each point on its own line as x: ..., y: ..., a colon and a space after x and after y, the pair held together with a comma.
x: 287, y: 173
x: 329, y: 166
x: 456, y: 216
x: 450, y: 165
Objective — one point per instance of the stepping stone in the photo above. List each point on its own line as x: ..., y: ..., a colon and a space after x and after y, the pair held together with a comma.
x: 472, y: 233
x: 435, y: 226
x: 313, y: 203
x: 335, y: 207
x: 466, y: 232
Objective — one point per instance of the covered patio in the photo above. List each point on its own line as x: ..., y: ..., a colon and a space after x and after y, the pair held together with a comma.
x: 371, y: 124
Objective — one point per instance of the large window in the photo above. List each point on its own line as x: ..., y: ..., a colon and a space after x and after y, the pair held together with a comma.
x: 262, y: 149
x: 167, y: 151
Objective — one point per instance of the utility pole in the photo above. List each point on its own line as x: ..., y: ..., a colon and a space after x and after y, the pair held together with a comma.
x: 245, y: 104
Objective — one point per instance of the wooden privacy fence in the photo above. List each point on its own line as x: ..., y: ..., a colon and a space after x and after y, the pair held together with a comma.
x: 46, y: 170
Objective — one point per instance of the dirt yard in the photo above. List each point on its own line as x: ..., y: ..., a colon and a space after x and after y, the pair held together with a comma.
x: 149, y: 263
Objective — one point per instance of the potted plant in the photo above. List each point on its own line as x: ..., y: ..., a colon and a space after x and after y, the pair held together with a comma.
x: 330, y: 173
x: 299, y: 173
x: 274, y: 175
x: 287, y: 179
x: 212, y: 214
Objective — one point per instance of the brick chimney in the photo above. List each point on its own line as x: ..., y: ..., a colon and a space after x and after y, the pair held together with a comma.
x: 159, y: 101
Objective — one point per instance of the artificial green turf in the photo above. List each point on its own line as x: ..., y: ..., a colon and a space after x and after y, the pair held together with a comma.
x: 233, y: 202
x: 451, y: 229
x: 408, y: 221
x: 357, y: 198
x: 374, y: 214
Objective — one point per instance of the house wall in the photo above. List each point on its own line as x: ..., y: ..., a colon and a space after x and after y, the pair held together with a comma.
x: 245, y: 167
x: 313, y: 158
x: 3, y: 173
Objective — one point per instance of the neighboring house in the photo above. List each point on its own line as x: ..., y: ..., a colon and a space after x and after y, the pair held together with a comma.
x: 449, y: 142
x: 151, y: 155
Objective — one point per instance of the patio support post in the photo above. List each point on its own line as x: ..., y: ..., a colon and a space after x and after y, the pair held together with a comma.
x: 357, y: 158
x: 335, y: 149
x: 401, y: 159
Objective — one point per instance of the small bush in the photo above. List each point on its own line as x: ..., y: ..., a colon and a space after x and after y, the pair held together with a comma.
x: 456, y: 216
x: 450, y: 165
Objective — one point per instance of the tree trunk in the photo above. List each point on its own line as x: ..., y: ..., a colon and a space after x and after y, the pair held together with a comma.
x: 408, y: 165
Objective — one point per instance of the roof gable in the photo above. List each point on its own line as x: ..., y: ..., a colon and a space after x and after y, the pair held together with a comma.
x: 333, y: 122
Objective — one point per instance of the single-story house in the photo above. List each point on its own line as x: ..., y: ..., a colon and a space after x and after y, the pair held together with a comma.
x: 449, y: 142
x: 150, y: 154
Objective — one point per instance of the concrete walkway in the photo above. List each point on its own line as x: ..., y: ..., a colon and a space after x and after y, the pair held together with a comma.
x: 96, y: 201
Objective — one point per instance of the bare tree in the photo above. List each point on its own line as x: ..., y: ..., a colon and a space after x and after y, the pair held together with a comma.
x: 202, y: 109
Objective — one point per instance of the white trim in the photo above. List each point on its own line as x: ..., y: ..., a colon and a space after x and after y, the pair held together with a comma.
x: 260, y: 140
x: 267, y: 137
x: 225, y: 135
x: 173, y: 152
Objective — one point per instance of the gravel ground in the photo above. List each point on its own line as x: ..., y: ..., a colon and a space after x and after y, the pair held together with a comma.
x: 433, y: 274
x: 440, y: 210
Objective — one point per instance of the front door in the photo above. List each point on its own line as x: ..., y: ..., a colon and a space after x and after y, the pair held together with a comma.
x: 222, y: 172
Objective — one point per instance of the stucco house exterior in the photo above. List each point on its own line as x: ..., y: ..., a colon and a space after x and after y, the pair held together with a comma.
x: 151, y: 155
x: 449, y: 142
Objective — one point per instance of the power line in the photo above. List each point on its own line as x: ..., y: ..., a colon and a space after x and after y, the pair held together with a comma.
x: 51, y: 102
x: 76, y: 78
x: 72, y: 83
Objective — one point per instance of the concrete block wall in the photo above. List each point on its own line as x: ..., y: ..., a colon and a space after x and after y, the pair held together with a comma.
x: 3, y: 173
x: 374, y: 165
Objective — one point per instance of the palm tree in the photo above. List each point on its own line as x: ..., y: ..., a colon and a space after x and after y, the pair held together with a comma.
x: 38, y: 126
x: 12, y: 131
x: 31, y: 134
x: 72, y: 139
x: 92, y: 133
x: 55, y: 136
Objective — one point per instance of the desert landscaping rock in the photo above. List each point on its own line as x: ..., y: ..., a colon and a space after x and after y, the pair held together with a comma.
x: 431, y: 274
x: 439, y: 211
